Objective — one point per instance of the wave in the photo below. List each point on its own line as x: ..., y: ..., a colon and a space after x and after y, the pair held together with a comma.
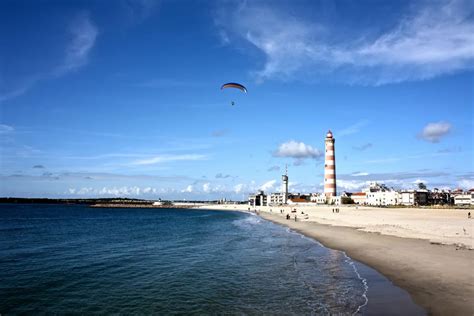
x: 248, y: 221
x: 364, y: 283
x: 348, y: 260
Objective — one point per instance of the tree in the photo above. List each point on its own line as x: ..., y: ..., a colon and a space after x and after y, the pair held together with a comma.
x: 421, y: 186
x: 347, y: 200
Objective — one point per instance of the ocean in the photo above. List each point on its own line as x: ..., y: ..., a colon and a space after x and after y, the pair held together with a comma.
x: 60, y: 259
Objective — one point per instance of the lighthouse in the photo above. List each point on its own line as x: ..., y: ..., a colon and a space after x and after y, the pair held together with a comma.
x: 329, y: 166
x: 284, y: 186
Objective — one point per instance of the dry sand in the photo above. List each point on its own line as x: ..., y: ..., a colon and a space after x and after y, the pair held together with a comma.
x: 427, y: 252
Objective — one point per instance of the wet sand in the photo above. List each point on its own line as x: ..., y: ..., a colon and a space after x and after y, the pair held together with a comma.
x: 440, y: 278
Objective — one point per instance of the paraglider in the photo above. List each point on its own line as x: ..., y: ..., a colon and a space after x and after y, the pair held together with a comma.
x: 236, y: 86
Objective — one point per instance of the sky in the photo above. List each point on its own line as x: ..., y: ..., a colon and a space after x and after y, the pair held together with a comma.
x: 122, y: 98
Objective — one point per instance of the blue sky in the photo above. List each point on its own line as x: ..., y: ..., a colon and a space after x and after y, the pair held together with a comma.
x: 122, y: 98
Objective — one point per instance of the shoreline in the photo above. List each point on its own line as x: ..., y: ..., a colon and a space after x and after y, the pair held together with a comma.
x: 439, y: 278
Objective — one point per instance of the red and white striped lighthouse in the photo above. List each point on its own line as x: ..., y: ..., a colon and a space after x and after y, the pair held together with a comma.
x: 330, y: 166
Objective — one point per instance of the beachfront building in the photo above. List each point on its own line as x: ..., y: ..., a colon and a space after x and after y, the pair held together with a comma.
x: 383, y: 198
x: 359, y: 198
x: 295, y: 200
x: 300, y: 199
x: 379, y: 194
x: 440, y: 197
x: 258, y: 199
x: 329, y: 166
x: 414, y: 197
x: 277, y: 199
x: 318, y: 198
x: 464, y: 199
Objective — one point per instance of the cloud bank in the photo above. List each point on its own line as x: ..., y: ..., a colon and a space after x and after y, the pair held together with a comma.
x: 430, y: 40
x: 297, y: 150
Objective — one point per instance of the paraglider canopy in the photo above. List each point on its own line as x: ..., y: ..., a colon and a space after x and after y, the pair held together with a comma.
x: 234, y: 85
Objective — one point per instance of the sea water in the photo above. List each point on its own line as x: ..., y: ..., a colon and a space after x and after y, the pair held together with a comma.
x: 75, y: 259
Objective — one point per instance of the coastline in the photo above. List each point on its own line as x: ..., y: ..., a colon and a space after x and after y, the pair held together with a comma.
x: 439, y: 277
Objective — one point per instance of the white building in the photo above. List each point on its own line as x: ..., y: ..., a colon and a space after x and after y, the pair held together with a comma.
x: 414, y: 197
x: 258, y: 199
x: 277, y: 199
x: 383, y: 198
x: 359, y: 198
x: 380, y: 194
x: 464, y: 199
x: 318, y: 198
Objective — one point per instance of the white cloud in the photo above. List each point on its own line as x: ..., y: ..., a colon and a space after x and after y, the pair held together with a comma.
x: 268, y: 186
x: 433, y: 132
x: 224, y: 38
x: 149, y: 190
x: 351, y: 184
x: 113, y: 191
x: 466, y: 184
x: 352, y: 129
x: 206, y: 187
x: 359, y: 174
x: 169, y: 158
x: 430, y: 41
x: 188, y: 189
x: 5, y: 129
x: 297, y: 150
x: 418, y: 181
x: 238, y: 188
x: 83, y: 35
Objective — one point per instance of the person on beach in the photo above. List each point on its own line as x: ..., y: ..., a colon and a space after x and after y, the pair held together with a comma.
x: 287, y: 216
x: 469, y: 215
x: 295, y: 217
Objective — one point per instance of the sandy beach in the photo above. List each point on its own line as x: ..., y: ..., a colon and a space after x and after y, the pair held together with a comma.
x: 428, y: 252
